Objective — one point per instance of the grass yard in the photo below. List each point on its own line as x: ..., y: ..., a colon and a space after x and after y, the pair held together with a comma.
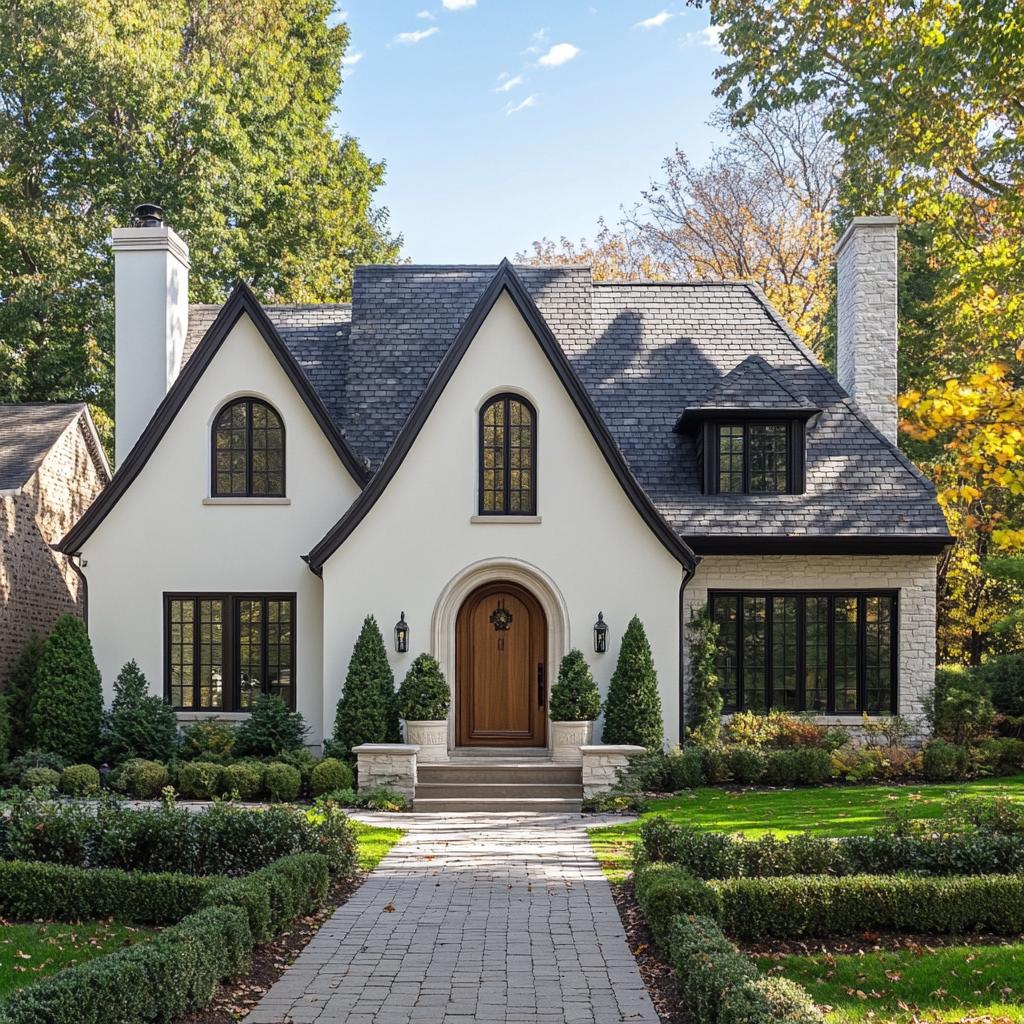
x: 953, y: 983
x: 827, y: 811
x: 29, y: 952
x: 374, y: 842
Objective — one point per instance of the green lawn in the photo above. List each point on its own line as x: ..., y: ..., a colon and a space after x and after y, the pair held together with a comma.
x: 828, y: 810
x: 956, y: 983
x: 29, y: 952
x: 374, y: 842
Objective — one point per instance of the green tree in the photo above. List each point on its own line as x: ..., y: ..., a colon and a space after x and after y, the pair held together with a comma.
x: 18, y: 694
x: 704, y: 695
x: 139, y: 724
x: 367, y: 701
x: 574, y: 697
x: 220, y: 111
x: 632, y: 710
x: 68, y: 705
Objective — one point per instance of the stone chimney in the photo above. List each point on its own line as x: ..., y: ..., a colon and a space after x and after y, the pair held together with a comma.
x: 150, y: 320
x: 866, y: 306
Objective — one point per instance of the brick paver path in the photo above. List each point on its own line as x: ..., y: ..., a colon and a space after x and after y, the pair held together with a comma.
x: 471, y: 919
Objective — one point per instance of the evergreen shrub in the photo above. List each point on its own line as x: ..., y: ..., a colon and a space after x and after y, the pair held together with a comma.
x: 282, y: 782
x: 574, y: 697
x: 244, y: 780
x: 19, y: 692
x: 367, y: 711
x: 40, y: 778
x: 424, y: 695
x: 330, y: 774
x: 80, y: 780
x: 271, y: 729
x: 199, y: 780
x: 208, y: 740
x: 632, y: 709
x: 139, y: 779
x: 139, y: 724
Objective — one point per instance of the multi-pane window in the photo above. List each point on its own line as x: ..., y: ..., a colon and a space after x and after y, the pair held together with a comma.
x: 825, y: 653
x: 248, y: 451
x: 508, y: 457
x: 222, y: 650
x: 752, y: 458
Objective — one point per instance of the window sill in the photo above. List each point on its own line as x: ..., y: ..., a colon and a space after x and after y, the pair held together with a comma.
x: 247, y: 501
x: 506, y: 520
x: 203, y: 716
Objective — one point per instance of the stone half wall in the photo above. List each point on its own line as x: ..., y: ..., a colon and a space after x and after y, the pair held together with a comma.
x: 912, y: 575
x: 37, y: 584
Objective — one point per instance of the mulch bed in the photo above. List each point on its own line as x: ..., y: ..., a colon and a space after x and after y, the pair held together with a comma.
x: 236, y: 998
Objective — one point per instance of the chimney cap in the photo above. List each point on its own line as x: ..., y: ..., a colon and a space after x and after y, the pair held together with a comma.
x: 148, y: 215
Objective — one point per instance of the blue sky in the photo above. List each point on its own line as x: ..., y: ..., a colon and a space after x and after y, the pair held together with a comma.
x: 502, y: 121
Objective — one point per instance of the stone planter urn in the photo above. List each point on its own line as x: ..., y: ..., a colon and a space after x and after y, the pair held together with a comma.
x: 432, y: 739
x: 567, y: 738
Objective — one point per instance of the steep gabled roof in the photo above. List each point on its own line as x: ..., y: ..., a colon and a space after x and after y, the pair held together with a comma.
x: 241, y: 301
x: 504, y: 281
x: 28, y: 431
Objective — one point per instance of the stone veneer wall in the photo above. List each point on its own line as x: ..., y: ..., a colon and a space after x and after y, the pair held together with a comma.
x: 37, y: 584
x: 912, y: 575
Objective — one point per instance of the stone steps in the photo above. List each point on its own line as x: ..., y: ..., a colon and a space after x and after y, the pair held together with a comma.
x: 498, y: 786
x: 479, y: 805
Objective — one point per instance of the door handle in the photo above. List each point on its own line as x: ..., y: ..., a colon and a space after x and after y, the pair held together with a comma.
x: 542, y: 690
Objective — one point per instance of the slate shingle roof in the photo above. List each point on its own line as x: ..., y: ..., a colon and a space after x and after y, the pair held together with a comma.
x: 646, y: 353
x: 751, y: 386
x: 27, y: 432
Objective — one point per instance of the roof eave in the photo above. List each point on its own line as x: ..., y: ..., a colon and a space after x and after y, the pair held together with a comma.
x: 837, y: 544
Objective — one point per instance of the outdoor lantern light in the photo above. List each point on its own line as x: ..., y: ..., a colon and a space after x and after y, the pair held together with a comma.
x: 600, y: 634
x: 402, y: 635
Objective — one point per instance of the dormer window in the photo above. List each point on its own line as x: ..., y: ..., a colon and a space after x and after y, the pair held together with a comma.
x: 752, y: 458
x: 508, y: 457
x: 248, y: 451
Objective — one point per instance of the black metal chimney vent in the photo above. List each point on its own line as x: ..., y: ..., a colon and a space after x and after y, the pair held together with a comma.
x: 148, y: 215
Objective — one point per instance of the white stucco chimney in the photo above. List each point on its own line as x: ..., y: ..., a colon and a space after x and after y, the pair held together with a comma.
x: 866, y: 308
x: 150, y: 320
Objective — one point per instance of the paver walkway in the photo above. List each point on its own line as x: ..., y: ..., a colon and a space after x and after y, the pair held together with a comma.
x: 471, y: 918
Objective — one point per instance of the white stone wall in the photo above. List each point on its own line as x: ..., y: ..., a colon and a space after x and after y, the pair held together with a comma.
x: 866, y: 313
x: 912, y: 575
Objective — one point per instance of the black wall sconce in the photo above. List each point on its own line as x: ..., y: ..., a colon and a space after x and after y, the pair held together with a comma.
x: 402, y: 635
x: 600, y: 634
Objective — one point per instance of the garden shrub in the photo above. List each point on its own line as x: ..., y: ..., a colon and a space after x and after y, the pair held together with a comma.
x: 31, y: 891
x: 11, y: 773
x: 367, y: 711
x: 270, y: 729
x: 37, y: 828
x: 574, y: 697
x: 176, y: 972
x: 282, y: 782
x: 40, y: 778
x: 944, y: 762
x: 704, y: 701
x: 67, y: 707
x: 199, y: 780
x: 330, y: 774
x: 714, y: 765
x: 19, y: 692
x: 380, y: 799
x: 424, y: 695
x: 664, y: 891
x: 244, y: 780
x: 958, y: 707
x: 682, y: 769
x: 745, y: 766
x: 208, y: 740
x: 1003, y: 679
x: 140, y: 724
x: 799, y: 766
x: 80, y: 780
x: 632, y: 709
x: 305, y: 761
x: 5, y: 729
x: 139, y: 779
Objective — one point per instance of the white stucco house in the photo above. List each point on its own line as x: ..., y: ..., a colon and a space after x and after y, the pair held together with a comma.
x: 465, y: 439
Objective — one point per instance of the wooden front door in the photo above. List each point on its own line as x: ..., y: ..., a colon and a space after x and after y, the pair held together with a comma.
x: 500, y: 671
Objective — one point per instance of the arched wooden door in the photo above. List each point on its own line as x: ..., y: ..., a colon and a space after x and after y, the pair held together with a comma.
x: 500, y: 669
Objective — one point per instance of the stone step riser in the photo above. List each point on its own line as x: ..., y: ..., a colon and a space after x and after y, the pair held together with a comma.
x: 429, y: 806
x: 489, y: 790
x: 500, y: 774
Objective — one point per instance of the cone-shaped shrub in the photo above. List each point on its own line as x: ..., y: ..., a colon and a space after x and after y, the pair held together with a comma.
x: 270, y: 729
x: 424, y: 695
x: 632, y: 711
x: 68, y: 703
x: 704, y: 697
x: 367, y: 703
x: 574, y: 697
x: 140, y: 724
x: 18, y: 694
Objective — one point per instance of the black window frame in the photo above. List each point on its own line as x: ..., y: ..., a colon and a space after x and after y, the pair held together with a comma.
x: 249, y: 402
x: 711, y: 432
x: 506, y: 397
x: 230, y: 620
x: 801, y: 649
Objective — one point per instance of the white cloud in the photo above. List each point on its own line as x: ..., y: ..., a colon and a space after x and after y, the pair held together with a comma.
x: 425, y: 15
x: 656, y: 21
x: 508, y: 84
x: 560, y: 53
x: 411, y: 38
x: 350, y: 60
x: 530, y: 101
x: 458, y: 5
x: 709, y: 37
x: 536, y: 40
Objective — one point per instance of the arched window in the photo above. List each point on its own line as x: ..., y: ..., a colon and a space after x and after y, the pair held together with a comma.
x: 248, y: 451
x: 508, y: 457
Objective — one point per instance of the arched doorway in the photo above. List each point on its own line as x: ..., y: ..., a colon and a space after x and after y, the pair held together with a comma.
x: 501, y: 647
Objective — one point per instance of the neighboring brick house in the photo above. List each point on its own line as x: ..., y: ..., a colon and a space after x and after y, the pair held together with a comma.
x: 52, y: 466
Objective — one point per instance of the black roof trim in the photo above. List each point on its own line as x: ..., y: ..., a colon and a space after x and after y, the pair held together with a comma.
x: 504, y: 280
x: 863, y: 544
x: 241, y: 300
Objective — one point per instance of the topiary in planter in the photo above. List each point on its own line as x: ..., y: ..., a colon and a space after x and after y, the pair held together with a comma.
x: 241, y: 780
x: 282, y: 782
x: 574, y: 697
x: 632, y: 710
x: 80, y: 780
x: 199, y: 780
x: 140, y: 724
x: 330, y: 774
x: 367, y: 711
x: 424, y: 695
x: 270, y: 729
x: 68, y: 703
x: 40, y: 778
